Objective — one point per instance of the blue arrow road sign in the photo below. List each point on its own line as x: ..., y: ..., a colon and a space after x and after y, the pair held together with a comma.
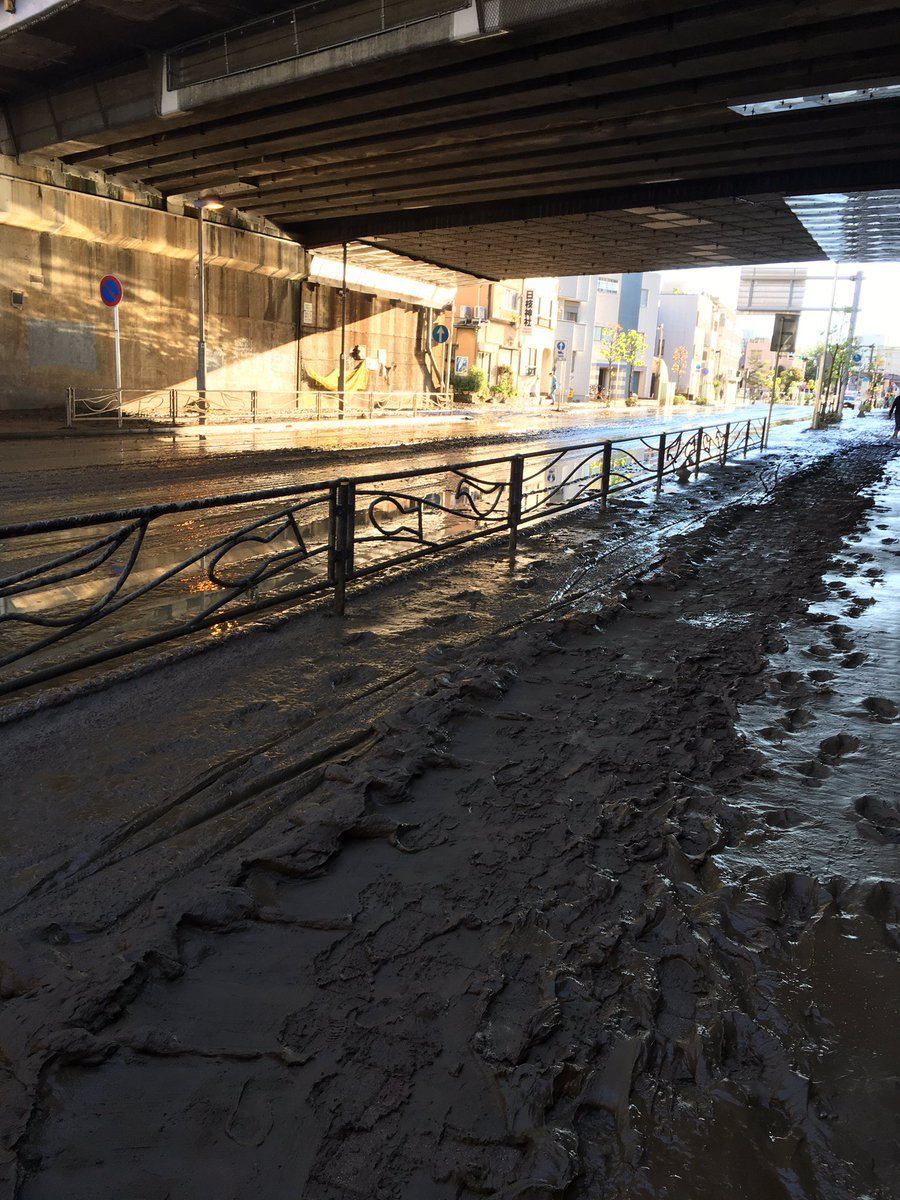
x: 440, y: 334
x: 110, y: 291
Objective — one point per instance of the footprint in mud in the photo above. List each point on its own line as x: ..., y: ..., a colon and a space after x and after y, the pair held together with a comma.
x: 821, y: 676
x: 820, y: 650
x: 838, y: 745
x: 813, y: 770
x: 881, y: 709
x: 839, y: 639
x: 785, y: 818
x: 796, y: 718
x: 251, y: 1119
x: 788, y: 679
x: 854, y: 660
x: 880, y: 817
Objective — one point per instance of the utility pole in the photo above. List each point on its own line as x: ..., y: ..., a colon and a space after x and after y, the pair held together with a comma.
x: 851, y: 333
x: 342, y: 365
x: 820, y: 372
x: 201, y: 205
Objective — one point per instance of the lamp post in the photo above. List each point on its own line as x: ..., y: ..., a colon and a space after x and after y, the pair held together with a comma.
x: 202, y: 204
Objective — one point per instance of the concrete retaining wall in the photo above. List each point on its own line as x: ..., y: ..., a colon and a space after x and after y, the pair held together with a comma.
x: 55, y: 246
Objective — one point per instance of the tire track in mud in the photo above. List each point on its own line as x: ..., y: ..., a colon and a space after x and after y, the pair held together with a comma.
x: 493, y: 955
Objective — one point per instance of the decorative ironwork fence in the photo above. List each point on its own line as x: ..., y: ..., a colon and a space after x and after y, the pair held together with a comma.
x: 81, y: 590
x: 214, y: 406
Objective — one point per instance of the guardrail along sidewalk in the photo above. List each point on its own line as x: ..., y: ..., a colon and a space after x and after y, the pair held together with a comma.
x: 82, y: 590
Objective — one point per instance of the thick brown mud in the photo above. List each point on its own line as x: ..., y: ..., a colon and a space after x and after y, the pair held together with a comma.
x: 567, y: 920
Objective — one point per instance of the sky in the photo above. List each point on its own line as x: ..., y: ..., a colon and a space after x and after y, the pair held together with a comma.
x: 879, y: 301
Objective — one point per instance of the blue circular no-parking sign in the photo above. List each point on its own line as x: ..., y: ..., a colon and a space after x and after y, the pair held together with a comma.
x: 110, y: 291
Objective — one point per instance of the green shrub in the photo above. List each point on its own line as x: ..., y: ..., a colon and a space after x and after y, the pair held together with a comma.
x: 506, y: 383
x: 701, y: 403
x: 631, y: 401
x: 471, y: 383
x: 679, y: 399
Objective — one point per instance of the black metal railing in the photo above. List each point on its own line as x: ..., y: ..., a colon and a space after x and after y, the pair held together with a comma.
x: 81, y: 590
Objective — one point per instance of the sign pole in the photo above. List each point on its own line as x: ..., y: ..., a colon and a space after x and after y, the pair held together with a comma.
x: 118, y: 362
x: 111, y: 292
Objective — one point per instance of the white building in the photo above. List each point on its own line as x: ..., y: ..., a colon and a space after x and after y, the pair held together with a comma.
x: 590, y: 306
x: 706, y: 330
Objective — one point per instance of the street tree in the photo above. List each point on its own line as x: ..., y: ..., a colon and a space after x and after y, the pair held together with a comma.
x: 838, y: 362
x: 679, y: 363
x: 629, y: 349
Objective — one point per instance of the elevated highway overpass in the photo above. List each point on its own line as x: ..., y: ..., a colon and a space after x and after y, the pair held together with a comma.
x: 495, y: 137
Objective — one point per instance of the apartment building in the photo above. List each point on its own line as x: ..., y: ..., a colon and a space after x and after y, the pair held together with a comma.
x: 706, y: 330
x: 590, y: 308
x: 508, y: 324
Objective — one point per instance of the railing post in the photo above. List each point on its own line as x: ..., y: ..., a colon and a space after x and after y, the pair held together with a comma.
x: 699, y: 453
x: 70, y: 406
x: 415, y: 403
x: 766, y: 430
x: 119, y: 407
x: 747, y: 437
x: 350, y: 526
x: 337, y: 543
x: 516, y: 472
x: 371, y: 405
x: 173, y: 406
x: 318, y: 406
x: 605, y: 472
x: 660, y: 462
x: 253, y: 406
x: 727, y: 439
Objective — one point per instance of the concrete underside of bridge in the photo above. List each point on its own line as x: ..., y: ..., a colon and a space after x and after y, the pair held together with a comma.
x: 521, y: 137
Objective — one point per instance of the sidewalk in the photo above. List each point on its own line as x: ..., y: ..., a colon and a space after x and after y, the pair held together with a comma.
x: 566, y: 913
x: 51, y: 423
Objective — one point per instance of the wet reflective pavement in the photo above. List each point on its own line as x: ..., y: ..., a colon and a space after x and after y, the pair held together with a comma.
x: 44, y: 478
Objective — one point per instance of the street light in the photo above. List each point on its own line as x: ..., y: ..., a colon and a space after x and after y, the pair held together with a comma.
x: 202, y: 205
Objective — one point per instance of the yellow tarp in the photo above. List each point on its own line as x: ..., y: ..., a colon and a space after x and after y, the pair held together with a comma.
x: 355, y: 382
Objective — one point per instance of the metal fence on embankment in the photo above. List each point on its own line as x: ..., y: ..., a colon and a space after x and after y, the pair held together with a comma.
x: 215, y: 406
x: 78, y: 591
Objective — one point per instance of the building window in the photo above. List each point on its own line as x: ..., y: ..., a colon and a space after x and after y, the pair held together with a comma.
x: 645, y: 295
x: 599, y: 332
x: 509, y: 299
x: 608, y: 285
x: 570, y: 314
x: 531, y: 364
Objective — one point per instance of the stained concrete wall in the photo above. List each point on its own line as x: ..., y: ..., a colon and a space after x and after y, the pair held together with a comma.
x: 55, y: 246
x: 391, y: 335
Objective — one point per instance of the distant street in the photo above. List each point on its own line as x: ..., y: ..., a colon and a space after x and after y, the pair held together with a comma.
x: 50, y: 477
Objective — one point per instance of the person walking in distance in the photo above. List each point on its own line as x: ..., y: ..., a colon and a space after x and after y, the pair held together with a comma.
x: 894, y: 411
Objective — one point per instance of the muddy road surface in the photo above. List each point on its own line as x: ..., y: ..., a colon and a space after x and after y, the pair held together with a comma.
x: 603, y: 906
